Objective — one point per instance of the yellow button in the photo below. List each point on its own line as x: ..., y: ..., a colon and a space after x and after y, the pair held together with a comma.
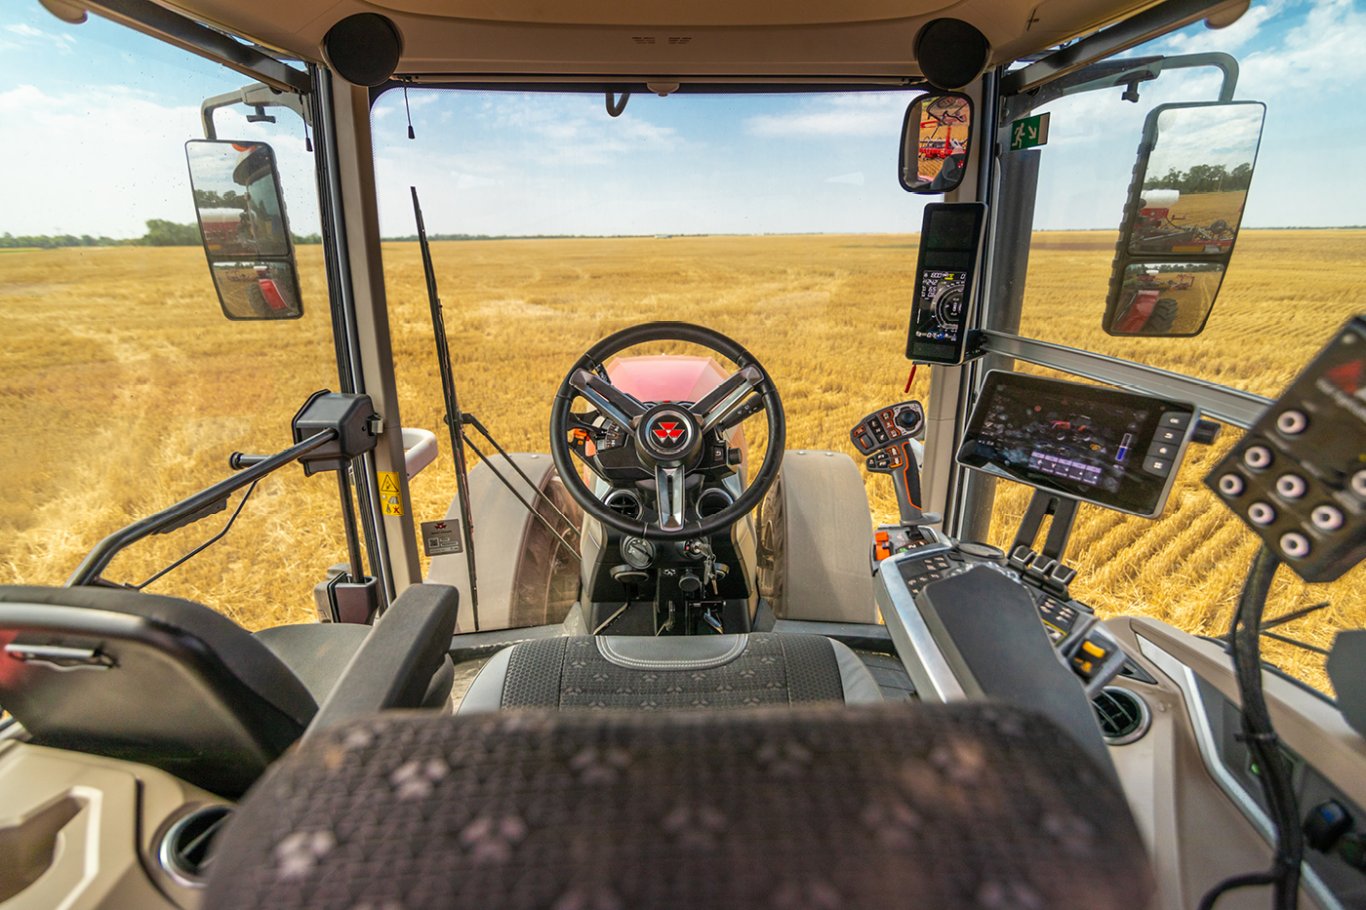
x: 1084, y: 666
x: 1093, y: 649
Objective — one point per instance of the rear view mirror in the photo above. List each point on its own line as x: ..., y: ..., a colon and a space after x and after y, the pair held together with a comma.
x: 1182, y: 216
x: 935, y: 138
x: 242, y: 221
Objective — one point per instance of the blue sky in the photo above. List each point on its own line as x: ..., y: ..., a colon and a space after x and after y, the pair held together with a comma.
x: 94, y: 118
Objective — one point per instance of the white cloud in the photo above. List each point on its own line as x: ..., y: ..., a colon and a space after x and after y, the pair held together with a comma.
x: 836, y: 116
x: 1229, y: 39
x: 28, y: 34
x: 103, y: 161
x: 854, y: 179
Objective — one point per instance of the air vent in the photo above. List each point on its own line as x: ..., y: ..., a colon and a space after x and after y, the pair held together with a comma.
x: 186, y: 850
x: 712, y: 501
x: 624, y: 502
x: 1123, y: 716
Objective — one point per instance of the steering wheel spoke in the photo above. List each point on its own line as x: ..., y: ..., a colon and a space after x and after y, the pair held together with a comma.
x: 669, y: 491
x: 611, y: 402
x: 720, y: 402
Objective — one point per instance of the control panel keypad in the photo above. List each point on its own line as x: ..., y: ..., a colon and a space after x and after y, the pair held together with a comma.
x: 887, y: 426
x: 1298, y: 478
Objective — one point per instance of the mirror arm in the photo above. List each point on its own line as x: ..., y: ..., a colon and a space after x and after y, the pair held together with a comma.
x: 256, y: 95
x: 1114, y: 73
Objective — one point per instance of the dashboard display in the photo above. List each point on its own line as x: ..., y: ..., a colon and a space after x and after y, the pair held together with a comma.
x: 1115, y: 449
x: 950, y: 236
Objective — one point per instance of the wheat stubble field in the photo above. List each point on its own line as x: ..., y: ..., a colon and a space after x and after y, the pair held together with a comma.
x: 125, y: 389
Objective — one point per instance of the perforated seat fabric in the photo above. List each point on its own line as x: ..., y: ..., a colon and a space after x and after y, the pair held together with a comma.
x: 972, y: 805
x: 643, y: 673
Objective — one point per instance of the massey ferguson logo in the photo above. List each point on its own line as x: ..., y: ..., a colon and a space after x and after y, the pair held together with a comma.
x: 668, y: 432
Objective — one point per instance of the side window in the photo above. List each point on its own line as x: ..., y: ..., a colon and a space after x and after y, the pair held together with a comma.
x: 1290, y: 285
x: 125, y: 387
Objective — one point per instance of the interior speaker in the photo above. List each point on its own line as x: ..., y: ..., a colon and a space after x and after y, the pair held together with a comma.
x: 951, y: 53
x: 363, y: 48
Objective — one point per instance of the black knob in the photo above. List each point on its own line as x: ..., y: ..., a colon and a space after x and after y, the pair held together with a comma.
x: 1325, y: 823
x: 689, y: 583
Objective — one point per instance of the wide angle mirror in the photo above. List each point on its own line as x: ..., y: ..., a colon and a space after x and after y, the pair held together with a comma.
x: 935, y: 138
x: 1182, y: 216
x: 242, y: 221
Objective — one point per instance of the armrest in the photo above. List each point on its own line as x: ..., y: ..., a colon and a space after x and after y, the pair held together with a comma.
x: 395, y: 664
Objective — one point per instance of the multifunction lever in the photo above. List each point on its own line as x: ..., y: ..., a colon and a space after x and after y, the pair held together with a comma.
x: 885, y: 438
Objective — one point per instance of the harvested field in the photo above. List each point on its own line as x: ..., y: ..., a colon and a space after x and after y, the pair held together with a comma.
x: 126, y: 390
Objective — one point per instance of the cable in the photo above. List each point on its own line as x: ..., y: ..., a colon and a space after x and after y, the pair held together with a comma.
x: 1262, y: 742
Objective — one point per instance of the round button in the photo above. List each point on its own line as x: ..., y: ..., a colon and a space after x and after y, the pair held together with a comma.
x: 1291, y: 486
x: 1261, y: 513
x: 1294, y: 544
x: 1232, y: 485
x: 980, y: 550
x: 1292, y: 422
x: 1258, y: 458
x: 1359, y: 483
x: 1327, y: 518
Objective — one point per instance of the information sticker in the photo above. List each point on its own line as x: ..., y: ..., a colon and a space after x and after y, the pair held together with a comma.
x: 442, y: 537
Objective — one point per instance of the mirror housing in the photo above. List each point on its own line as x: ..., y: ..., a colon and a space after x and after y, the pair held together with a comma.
x: 936, y: 139
x: 1182, y: 216
x: 244, y: 228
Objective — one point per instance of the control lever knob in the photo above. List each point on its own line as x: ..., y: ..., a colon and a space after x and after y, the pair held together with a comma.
x: 908, y: 420
x: 689, y: 583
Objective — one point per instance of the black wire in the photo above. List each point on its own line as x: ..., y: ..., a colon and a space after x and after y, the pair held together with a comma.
x: 1262, y: 742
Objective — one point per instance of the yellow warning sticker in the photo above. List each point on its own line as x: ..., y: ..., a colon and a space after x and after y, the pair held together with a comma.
x: 389, y: 496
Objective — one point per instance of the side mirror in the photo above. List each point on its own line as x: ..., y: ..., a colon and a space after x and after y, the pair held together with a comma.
x: 1182, y: 216
x: 935, y: 140
x: 246, y: 236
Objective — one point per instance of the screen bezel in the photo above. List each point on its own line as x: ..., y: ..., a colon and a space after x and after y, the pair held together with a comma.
x: 940, y: 352
x: 1102, y: 394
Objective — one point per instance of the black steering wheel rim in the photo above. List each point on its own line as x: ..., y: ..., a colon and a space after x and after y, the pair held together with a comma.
x: 594, y: 358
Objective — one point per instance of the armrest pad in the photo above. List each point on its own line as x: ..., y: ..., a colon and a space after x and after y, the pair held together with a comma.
x: 394, y: 666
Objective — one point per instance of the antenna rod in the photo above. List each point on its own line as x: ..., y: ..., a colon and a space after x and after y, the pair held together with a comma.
x: 454, y: 419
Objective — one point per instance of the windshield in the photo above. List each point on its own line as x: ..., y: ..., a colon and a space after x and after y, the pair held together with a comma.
x: 778, y: 220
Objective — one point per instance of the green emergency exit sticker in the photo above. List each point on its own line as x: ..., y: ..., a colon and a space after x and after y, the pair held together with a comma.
x: 1029, y: 132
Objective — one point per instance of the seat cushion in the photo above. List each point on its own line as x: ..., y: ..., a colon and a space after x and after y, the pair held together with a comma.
x: 816, y: 806
x: 644, y: 673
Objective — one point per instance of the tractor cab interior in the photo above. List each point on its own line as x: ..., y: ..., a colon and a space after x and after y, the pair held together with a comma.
x: 694, y: 604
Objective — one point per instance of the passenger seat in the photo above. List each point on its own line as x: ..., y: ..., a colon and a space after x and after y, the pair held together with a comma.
x: 678, y: 672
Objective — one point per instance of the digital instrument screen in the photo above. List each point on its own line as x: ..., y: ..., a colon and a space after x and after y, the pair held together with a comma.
x: 950, y: 236
x: 1115, y: 449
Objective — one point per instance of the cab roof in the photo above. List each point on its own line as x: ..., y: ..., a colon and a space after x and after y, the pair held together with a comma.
x: 726, y: 39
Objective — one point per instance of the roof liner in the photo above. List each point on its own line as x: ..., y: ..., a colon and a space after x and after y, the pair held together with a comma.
x: 653, y: 38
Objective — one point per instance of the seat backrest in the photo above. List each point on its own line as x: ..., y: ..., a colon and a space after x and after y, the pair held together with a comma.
x: 153, y: 679
x: 978, y: 805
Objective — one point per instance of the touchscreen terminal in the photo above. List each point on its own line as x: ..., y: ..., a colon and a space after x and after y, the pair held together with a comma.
x: 1115, y: 449
x: 950, y: 236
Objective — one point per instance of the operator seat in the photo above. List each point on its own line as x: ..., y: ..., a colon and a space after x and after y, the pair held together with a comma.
x: 816, y: 807
x: 170, y: 683
x: 658, y: 673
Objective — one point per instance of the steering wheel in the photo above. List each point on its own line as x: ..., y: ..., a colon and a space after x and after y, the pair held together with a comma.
x: 669, y: 440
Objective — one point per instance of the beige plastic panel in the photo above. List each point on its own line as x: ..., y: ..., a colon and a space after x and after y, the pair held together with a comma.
x: 69, y: 831
x: 1195, y: 834
x: 725, y: 37
x: 826, y: 572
